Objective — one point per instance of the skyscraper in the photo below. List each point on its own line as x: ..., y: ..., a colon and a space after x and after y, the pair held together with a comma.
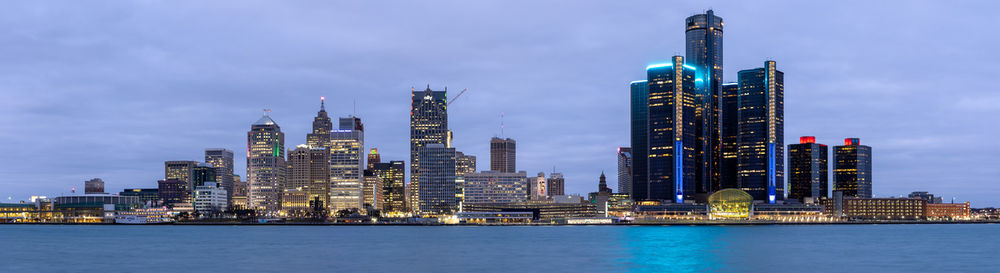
x: 265, y: 165
x: 852, y: 172
x: 639, y: 114
x: 347, y: 164
x: 321, y: 127
x: 503, y: 155
x: 308, y: 177
x: 671, y: 130
x: 556, y: 184
x: 761, y: 132
x: 438, y: 188
x: 625, y: 170
x: 222, y: 160
x: 182, y: 170
x: 730, y: 119
x: 428, y: 125
x: 373, y: 158
x: 807, y: 169
x: 203, y: 172
x: 393, y: 186
x: 703, y: 36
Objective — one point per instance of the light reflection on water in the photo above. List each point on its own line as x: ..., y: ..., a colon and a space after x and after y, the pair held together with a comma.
x: 829, y: 248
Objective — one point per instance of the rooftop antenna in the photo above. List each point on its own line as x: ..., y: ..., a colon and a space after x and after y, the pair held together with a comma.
x: 322, y: 103
x: 267, y: 111
x: 501, y: 124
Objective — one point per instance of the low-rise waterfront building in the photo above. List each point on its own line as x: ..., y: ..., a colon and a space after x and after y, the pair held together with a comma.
x: 954, y: 211
x: 875, y: 208
x: 542, y: 212
x: 503, y: 217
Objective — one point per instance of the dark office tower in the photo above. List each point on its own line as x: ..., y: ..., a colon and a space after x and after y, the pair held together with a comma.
x: 173, y: 192
x: 392, y: 174
x: 703, y: 35
x: 438, y: 188
x: 671, y: 131
x: 640, y: 138
x: 222, y: 160
x: 203, y: 173
x: 503, y: 155
x: 807, y: 169
x: 761, y: 132
x: 373, y: 158
x: 556, y: 184
x: 320, y: 136
x: 265, y: 165
x: 625, y: 170
x: 182, y: 170
x: 730, y: 119
x: 428, y: 125
x: 852, y: 171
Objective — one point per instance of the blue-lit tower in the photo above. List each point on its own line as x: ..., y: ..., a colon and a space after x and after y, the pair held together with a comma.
x: 703, y: 50
x: 640, y: 141
x: 671, y: 130
x: 761, y: 136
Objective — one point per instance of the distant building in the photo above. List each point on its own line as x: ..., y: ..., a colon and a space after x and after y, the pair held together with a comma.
x: 393, y: 186
x: 265, y: 165
x: 174, y: 192
x: 373, y: 158
x: 876, y: 208
x: 625, y: 170
x: 222, y: 160
x: 151, y: 196
x: 490, y: 187
x: 372, y: 190
x: 931, y: 199
x: 544, y: 212
x: 321, y: 127
x: 93, y: 186
x: 182, y: 170
x: 955, y: 211
x: 438, y: 188
x: 209, y: 198
x: 503, y: 155
x: 428, y: 125
x: 242, y: 191
x: 761, y: 132
x: 203, y: 173
x: 538, y: 187
x: 464, y: 163
x: 556, y: 184
x: 808, y: 170
x: 308, y: 180
x: 346, y: 165
x: 852, y: 170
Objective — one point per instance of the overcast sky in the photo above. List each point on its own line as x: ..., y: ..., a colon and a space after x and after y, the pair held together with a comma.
x: 112, y: 89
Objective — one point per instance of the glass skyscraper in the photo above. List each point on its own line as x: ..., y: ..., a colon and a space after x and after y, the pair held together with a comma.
x: 730, y: 119
x: 808, y: 170
x: 852, y: 171
x: 347, y: 163
x: 428, y: 125
x: 438, y: 187
x: 640, y: 139
x: 672, y: 137
x: 222, y: 160
x: 761, y: 132
x: 265, y: 165
x: 392, y: 175
x: 703, y: 50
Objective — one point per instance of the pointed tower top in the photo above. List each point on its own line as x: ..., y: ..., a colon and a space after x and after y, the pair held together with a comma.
x: 322, y: 103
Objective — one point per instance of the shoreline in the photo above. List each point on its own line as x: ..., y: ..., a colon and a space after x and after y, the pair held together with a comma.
x: 529, y: 225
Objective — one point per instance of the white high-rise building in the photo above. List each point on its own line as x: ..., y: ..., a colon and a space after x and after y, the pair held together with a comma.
x: 210, y: 198
x: 347, y: 164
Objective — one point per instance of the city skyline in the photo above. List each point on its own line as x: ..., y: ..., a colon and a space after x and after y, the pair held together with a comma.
x: 820, y: 92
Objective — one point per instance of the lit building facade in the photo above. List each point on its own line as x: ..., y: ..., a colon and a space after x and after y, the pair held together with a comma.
x: 537, y: 187
x: 556, y: 184
x: 625, y: 170
x: 671, y: 130
x: 321, y: 127
x: 761, y: 132
x: 954, y: 211
x: 209, y: 198
x: 308, y: 178
x: 639, y: 118
x: 173, y: 192
x: 241, y: 193
x: 393, y: 186
x: 464, y: 163
x: 182, y: 170
x: 876, y: 208
x: 808, y: 170
x: 730, y: 204
x: 438, y: 189
x: 347, y: 164
x: 265, y: 165
x: 852, y: 169
x: 151, y: 196
x: 372, y: 190
x: 222, y: 160
x: 703, y: 50
x: 373, y: 158
x: 730, y: 120
x: 428, y: 125
x: 202, y: 173
x: 503, y: 155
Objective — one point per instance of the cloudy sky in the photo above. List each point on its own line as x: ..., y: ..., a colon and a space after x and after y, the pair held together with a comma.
x: 113, y: 89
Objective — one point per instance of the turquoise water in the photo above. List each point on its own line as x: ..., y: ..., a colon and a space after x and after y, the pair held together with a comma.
x: 830, y: 248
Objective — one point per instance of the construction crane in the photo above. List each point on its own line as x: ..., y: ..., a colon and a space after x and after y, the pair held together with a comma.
x: 456, y: 96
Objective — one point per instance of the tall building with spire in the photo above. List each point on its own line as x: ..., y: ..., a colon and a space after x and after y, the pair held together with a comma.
x: 761, y: 152
x: 703, y: 36
x: 672, y: 136
x: 265, y: 165
x: 428, y: 125
x: 321, y: 127
x: 222, y: 160
x: 347, y: 163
